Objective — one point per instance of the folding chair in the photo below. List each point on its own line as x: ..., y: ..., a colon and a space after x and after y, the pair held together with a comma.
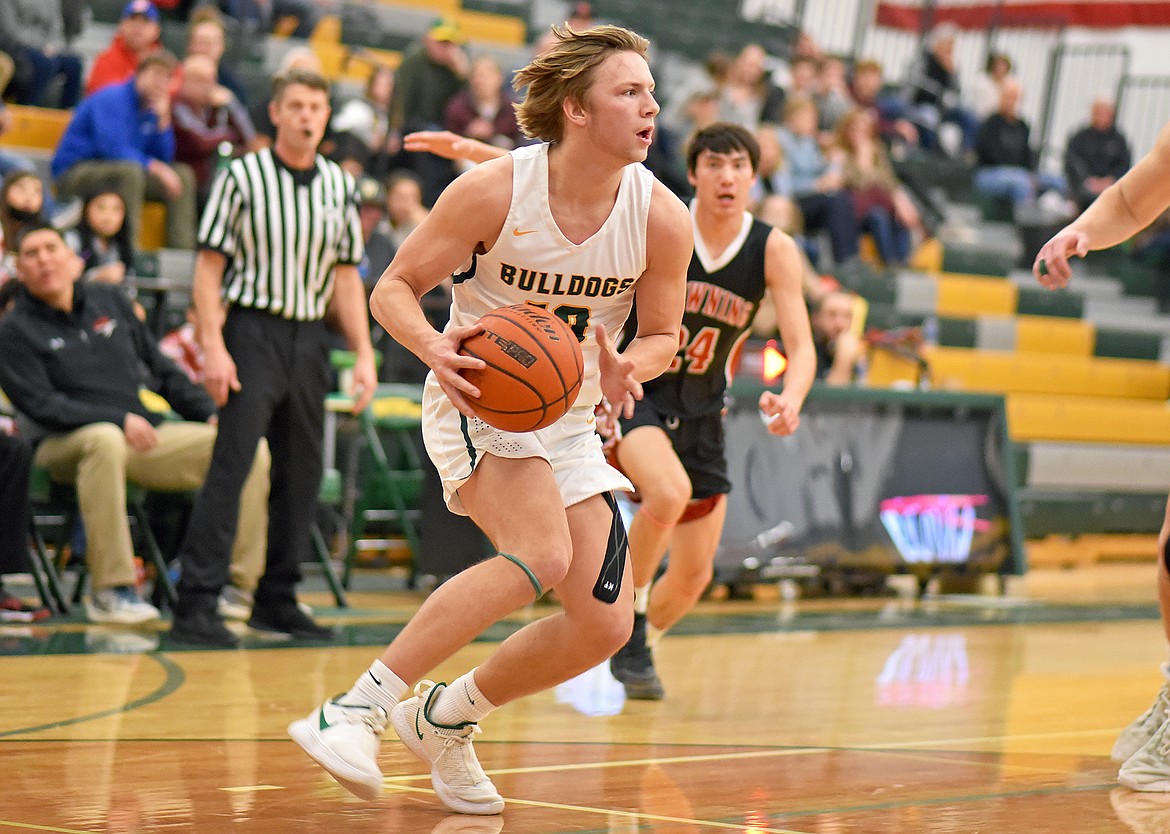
x: 58, y: 501
x: 391, y: 476
x: 331, y: 495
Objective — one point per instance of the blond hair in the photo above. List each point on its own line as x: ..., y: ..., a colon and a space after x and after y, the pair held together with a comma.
x: 566, y: 72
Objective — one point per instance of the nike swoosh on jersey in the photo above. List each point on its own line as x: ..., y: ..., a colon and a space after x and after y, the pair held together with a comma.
x: 521, y: 232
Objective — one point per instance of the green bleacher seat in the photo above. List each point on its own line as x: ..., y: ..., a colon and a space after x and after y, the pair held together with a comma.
x: 1127, y: 344
x: 956, y: 332
x: 1036, y: 301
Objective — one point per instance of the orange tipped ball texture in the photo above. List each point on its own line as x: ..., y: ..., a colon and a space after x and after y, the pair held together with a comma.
x: 534, y: 368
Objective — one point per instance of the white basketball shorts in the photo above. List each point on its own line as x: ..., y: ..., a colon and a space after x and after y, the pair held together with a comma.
x: 571, y: 445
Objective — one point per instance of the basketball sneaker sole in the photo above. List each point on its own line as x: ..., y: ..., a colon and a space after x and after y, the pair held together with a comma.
x: 361, y: 783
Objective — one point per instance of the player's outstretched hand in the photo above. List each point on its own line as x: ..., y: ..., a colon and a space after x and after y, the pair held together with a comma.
x: 1051, y: 267
x: 443, y: 357
x: 450, y: 145
x: 783, y: 413
x: 618, y: 385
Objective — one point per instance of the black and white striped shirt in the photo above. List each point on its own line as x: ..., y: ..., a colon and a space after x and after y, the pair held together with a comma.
x: 282, y: 232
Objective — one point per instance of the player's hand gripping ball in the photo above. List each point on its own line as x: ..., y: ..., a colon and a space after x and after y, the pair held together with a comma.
x: 534, y: 368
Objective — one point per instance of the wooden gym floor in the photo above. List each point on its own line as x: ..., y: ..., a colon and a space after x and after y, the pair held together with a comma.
x: 953, y: 715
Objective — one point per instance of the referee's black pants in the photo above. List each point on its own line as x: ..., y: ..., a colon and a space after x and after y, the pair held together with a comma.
x: 284, y: 372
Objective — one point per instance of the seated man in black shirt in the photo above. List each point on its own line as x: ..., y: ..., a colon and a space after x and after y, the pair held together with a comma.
x: 1097, y: 155
x: 71, y: 360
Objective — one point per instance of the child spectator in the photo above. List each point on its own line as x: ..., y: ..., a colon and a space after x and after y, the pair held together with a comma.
x: 103, y: 238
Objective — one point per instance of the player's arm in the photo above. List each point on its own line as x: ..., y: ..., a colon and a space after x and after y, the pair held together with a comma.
x: 659, y: 293
x: 1122, y: 210
x: 661, y: 290
x: 450, y: 145
x: 467, y: 217
x: 783, y: 272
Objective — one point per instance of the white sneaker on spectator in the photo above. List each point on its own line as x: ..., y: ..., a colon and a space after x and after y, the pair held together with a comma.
x: 119, y: 605
x: 1148, y: 769
x: 456, y: 774
x: 234, y: 604
x: 1144, y: 726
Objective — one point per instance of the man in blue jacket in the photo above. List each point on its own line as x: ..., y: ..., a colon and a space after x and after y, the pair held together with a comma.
x: 122, y: 134
x: 73, y: 357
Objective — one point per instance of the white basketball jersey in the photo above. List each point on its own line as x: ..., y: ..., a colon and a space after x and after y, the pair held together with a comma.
x: 532, y: 262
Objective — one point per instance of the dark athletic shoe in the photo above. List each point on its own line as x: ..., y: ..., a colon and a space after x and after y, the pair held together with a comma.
x: 633, y: 666
x: 288, y: 619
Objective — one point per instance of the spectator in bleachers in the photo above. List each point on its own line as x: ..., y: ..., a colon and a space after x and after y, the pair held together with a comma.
x: 22, y: 203
x: 802, y: 73
x: 103, y: 239
x: 880, y: 203
x: 932, y: 91
x: 123, y: 135
x: 816, y: 180
x: 137, y: 36
x: 748, y: 96
x: 483, y: 110
x: 207, y: 36
x: 1007, y: 163
x: 986, y: 86
x: 35, y: 32
x: 831, y: 94
x: 840, y: 353
x: 363, y: 124
x: 429, y: 77
x: 79, y: 403
x: 379, y: 249
x: 404, y: 206
x: 581, y: 17
x: 888, y: 110
x: 206, y: 115
x: 1097, y: 155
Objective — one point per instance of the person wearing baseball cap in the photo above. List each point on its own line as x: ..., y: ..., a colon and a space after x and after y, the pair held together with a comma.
x: 138, y: 35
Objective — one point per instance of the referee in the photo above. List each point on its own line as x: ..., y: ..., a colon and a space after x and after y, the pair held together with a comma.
x: 280, y: 241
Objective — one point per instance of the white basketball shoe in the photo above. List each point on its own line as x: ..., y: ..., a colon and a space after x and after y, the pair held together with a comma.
x: 344, y: 739
x: 1144, y: 726
x: 456, y: 774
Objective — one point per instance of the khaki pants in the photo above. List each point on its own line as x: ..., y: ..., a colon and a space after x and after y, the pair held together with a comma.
x: 135, y: 185
x: 99, y: 461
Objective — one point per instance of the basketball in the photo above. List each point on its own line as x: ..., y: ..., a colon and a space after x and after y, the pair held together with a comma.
x: 534, y: 368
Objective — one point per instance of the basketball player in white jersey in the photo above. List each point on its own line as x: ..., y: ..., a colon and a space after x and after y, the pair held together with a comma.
x: 576, y: 225
x: 1119, y: 212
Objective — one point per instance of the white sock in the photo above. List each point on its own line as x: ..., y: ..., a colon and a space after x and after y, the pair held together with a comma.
x: 378, y: 686
x: 460, y: 702
x: 653, y: 634
x: 642, y: 598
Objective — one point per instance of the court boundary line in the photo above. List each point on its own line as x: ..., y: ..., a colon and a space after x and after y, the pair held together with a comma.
x: 175, y: 678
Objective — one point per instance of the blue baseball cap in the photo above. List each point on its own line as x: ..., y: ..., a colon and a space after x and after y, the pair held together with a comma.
x: 141, y: 7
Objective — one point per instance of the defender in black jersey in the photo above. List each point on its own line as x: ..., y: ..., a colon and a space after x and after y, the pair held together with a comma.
x: 672, y: 447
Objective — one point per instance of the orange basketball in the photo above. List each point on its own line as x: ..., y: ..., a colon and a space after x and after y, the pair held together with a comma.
x: 534, y: 368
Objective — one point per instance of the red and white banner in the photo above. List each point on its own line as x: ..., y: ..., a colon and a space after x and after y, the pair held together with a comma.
x: 1110, y: 14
